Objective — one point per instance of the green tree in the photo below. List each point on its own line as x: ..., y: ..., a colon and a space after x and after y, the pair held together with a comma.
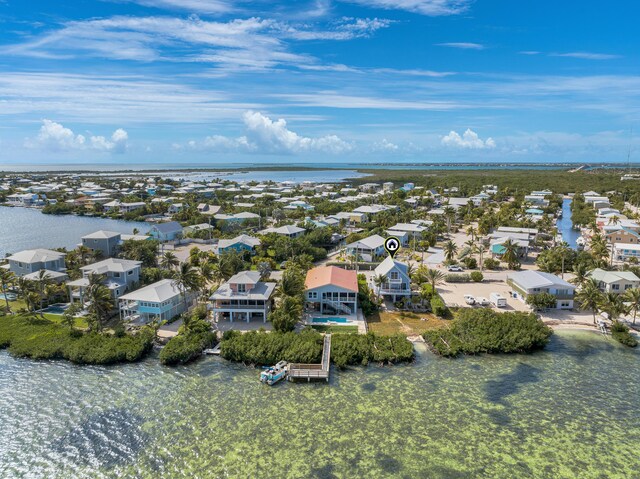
x: 99, y: 302
x: 589, y: 297
x: 169, y: 260
x: 187, y: 278
x: 291, y: 284
x: 510, y: 254
x: 285, y: 317
x: 632, y: 296
x: 6, y: 279
x: 450, y: 250
x: 435, y: 277
x: 613, y: 305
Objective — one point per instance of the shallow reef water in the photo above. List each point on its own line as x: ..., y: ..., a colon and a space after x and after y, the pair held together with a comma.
x: 571, y: 411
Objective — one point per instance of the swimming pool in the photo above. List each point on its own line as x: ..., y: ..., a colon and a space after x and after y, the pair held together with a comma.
x: 9, y: 296
x: 330, y: 320
x: 57, y: 308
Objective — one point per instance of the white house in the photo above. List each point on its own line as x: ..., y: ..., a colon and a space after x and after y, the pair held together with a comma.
x: 369, y: 249
x: 525, y: 283
x: 159, y: 301
x: 243, y: 296
x: 290, y: 231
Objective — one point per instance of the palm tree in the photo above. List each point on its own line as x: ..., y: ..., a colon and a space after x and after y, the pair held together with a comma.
x: 187, y: 278
x: 434, y: 277
x: 479, y: 250
x: 613, y: 305
x: 6, y: 279
x: 471, y: 231
x: 632, y: 296
x: 379, y: 280
x: 590, y: 297
x: 291, y: 283
x: 84, y: 253
x: 580, y: 272
x: 42, y: 281
x: 99, y: 302
x: 450, y: 216
x: 450, y: 250
x: 510, y: 254
x: 169, y: 260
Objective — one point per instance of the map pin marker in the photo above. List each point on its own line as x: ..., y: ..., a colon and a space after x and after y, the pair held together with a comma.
x: 392, y: 245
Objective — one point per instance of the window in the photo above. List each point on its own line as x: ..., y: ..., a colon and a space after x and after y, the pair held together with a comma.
x: 313, y: 295
x: 615, y: 287
x: 242, y: 288
x: 394, y: 275
x: 116, y: 275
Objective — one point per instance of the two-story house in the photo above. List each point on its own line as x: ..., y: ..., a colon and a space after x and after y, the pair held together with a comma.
x: 107, y: 242
x: 614, y: 281
x: 368, y: 249
x: 119, y: 275
x: 329, y: 289
x: 240, y: 244
x: 161, y: 301
x: 243, y: 296
x: 33, y: 260
x: 525, y: 283
x: 397, y: 281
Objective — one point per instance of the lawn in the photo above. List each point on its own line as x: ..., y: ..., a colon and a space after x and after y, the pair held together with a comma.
x: 56, y: 318
x: 335, y: 329
x: 388, y: 323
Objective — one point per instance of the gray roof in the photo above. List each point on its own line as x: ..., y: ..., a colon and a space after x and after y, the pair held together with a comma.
x: 389, y: 264
x: 169, y: 227
x: 245, y: 277
x: 114, y: 265
x: 613, y: 276
x: 370, y: 242
x: 538, y: 279
x: 36, y: 256
x: 259, y: 291
x: 163, y: 290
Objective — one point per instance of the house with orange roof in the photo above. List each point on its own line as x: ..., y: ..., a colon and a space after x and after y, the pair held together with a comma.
x: 331, y: 290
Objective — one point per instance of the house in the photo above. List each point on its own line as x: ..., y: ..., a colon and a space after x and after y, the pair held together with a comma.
x: 161, y: 301
x: 33, y: 260
x: 123, y: 207
x: 397, y: 281
x: 622, y: 236
x: 414, y: 230
x: 119, y: 275
x: 525, y: 283
x: 24, y: 199
x: 367, y: 249
x: 163, y: 232
x: 52, y: 276
x: 107, y: 242
x: 175, y: 208
x: 208, y: 210
x: 290, y: 231
x: 615, y: 281
x: 237, y: 218
x: 243, y: 296
x: 239, y: 243
x: 197, y: 228
x: 403, y: 236
x: 624, y: 252
x: 331, y: 289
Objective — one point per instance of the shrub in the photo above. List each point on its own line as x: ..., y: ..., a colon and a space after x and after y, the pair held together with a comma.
x: 350, y: 349
x: 542, y: 300
x: 620, y: 332
x: 491, y: 263
x: 470, y: 262
x: 38, y: 338
x: 439, y: 308
x: 476, y: 276
x: 477, y: 331
x: 458, y: 278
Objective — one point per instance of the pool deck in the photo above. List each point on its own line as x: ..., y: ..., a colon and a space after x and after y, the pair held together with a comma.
x: 354, y: 320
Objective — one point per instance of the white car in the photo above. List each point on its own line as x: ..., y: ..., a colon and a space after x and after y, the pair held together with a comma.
x: 455, y: 268
x: 482, y: 301
x: 469, y: 299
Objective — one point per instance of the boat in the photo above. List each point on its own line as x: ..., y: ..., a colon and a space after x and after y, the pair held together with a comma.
x: 273, y: 374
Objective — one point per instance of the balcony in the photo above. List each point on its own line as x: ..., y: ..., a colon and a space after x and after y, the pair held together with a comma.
x: 234, y: 306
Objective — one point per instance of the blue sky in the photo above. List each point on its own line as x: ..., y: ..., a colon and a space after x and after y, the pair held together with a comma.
x: 318, y: 81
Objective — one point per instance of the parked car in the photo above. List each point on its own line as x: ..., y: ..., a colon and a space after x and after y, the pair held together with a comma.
x: 455, y: 268
x: 469, y: 299
x: 482, y: 301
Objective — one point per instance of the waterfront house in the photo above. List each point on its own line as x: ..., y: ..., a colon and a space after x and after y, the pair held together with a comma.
x: 160, y: 301
x: 243, y: 296
x: 34, y: 260
x: 23, y: 199
x: 107, y: 242
x: 331, y: 289
x: 368, y: 249
x: 240, y: 244
x: 164, y: 232
x: 622, y: 236
x: 525, y: 283
x: 397, y: 281
x: 123, y: 207
x: 118, y: 275
x: 614, y: 281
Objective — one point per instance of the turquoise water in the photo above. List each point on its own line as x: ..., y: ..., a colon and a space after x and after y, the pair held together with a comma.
x: 332, y: 320
x: 57, y: 308
x: 27, y: 228
x: 572, y: 411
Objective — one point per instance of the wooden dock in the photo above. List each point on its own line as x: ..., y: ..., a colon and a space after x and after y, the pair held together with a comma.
x: 313, y: 371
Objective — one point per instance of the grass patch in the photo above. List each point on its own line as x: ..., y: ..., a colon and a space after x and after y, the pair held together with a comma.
x: 321, y: 328
x: 389, y: 323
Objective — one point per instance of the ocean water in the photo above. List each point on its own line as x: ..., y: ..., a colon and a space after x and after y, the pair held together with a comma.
x: 28, y: 228
x: 572, y: 411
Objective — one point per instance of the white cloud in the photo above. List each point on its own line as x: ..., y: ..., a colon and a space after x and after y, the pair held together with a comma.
x: 264, y: 135
x: 586, y: 55
x: 385, y: 145
x: 197, y: 6
x: 463, y: 45
x: 56, y: 137
x: 468, y: 140
x: 344, y: 29
x: 425, y: 7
